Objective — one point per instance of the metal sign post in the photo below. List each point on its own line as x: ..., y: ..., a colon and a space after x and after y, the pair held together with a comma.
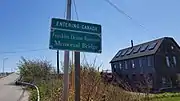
x: 72, y: 71
x: 77, y: 76
x: 58, y: 62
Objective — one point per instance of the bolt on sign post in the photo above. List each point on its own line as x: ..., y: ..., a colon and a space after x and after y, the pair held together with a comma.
x: 75, y: 36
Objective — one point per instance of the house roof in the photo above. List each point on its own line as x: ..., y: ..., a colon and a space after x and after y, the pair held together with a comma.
x: 144, y: 49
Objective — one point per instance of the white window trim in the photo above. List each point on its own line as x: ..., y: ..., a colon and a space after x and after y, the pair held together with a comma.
x: 149, y: 61
x: 126, y: 65
x: 172, y: 47
x: 140, y: 62
x: 114, y: 65
x: 132, y: 63
x: 167, y: 61
x: 120, y: 65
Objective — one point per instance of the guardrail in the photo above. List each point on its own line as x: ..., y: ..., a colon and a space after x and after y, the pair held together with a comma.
x: 29, y: 84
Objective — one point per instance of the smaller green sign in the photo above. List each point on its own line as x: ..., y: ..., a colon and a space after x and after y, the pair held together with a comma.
x: 75, y: 25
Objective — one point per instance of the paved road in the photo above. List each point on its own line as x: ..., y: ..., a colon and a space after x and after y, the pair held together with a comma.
x: 10, y: 92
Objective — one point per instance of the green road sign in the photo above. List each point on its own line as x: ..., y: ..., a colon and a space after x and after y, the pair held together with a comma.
x: 75, y: 36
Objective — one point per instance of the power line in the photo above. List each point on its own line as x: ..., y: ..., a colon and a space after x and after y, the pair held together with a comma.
x: 124, y: 13
x: 64, y: 11
x: 33, y: 50
x: 77, y: 16
x: 75, y: 8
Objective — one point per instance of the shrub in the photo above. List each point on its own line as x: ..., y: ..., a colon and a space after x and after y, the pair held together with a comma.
x: 35, y: 71
x: 41, y: 74
x: 92, y: 88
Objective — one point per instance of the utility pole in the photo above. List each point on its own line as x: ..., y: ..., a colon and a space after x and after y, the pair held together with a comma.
x: 58, y: 62
x: 3, y: 64
x: 66, y: 59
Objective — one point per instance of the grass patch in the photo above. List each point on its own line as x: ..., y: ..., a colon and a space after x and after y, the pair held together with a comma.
x: 171, y: 99
x: 165, y: 97
x: 49, y: 91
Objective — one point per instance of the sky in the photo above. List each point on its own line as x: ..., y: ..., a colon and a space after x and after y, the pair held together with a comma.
x: 25, y: 26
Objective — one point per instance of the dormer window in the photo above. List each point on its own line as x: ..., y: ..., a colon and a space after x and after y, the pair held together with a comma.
x: 143, y: 48
x: 118, y: 54
x: 152, y: 46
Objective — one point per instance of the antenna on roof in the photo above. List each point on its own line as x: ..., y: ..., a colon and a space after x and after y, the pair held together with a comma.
x: 132, y: 44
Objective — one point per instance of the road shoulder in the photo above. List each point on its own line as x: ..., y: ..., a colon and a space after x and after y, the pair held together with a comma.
x: 24, y: 95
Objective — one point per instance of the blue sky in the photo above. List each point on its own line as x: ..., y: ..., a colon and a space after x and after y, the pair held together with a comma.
x: 25, y: 25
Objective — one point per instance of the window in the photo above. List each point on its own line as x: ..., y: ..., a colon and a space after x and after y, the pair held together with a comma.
x: 167, y: 61
x: 136, y: 49
x: 114, y: 66
x: 163, y: 80
x: 172, y: 47
x: 129, y: 51
x: 118, y: 54
x: 152, y: 46
x: 149, y: 60
x: 140, y: 62
x: 124, y: 53
x: 143, y: 48
x: 120, y: 65
x: 126, y: 65
x: 132, y: 62
x: 174, y: 60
